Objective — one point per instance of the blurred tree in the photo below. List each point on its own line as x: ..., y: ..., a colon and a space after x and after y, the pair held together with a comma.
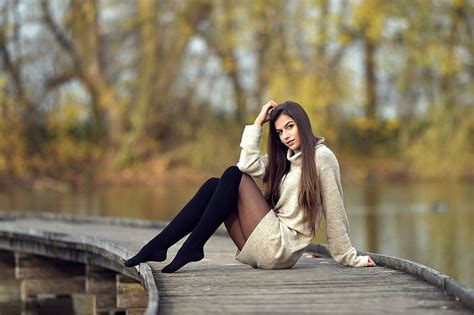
x: 162, y: 47
x: 86, y: 51
x: 127, y: 81
x: 221, y: 34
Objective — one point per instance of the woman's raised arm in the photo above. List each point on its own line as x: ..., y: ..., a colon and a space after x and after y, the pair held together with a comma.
x: 250, y: 161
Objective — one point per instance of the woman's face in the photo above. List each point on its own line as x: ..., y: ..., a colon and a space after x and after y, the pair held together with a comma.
x: 287, y: 130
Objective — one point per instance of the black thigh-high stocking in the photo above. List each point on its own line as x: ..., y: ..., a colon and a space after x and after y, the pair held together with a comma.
x: 180, y: 226
x: 221, y: 205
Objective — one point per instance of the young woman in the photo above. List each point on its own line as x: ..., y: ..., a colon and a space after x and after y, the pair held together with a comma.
x: 271, y: 231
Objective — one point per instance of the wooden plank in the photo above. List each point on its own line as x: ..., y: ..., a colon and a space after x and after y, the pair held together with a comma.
x: 136, y: 311
x: 29, y: 266
x: 9, y: 291
x: 31, y: 287
x: 84, y: 304
x: 7, y: 264
x: 48, y: 305
x: 130, y: 293
x: 102, y: 282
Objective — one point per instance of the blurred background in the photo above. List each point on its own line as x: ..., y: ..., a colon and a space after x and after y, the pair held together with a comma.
x: 123, y: 108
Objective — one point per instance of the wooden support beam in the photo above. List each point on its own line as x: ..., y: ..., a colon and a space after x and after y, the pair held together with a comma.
x: 9, y: 285
x: 48, y: 305
x: 84, y: 304
x: 91, y: 289
x: 136, y: 311
x: 29, y: 266
x: 115, y: 311
x: 130, y: 293
x: 102, y: 283
x: 43, y: 275
x: 7, y: 264
x: 78, y: 304
x: 30, y: 287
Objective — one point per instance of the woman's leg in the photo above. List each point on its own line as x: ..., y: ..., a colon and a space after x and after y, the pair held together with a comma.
x: 232, y: 224
x: 251, y: 208
x: 179, y: 227
x: 221, y: 205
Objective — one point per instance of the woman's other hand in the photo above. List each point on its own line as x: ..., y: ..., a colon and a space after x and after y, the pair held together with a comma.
x: 371, y: 263
x: 264, y: 115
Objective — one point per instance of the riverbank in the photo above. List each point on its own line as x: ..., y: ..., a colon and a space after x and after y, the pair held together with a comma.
x: 157, y: 172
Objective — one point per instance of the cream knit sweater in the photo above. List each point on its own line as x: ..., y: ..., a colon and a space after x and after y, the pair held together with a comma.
x: 295, y: 235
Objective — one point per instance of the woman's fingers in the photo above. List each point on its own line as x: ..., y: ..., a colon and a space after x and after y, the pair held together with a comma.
x: 267, y: 107
x: 371, y: 263
x: 264, y: 115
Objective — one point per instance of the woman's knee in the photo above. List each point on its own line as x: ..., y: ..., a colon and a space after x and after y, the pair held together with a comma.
x: 212, y: 182
x: 232, y: 173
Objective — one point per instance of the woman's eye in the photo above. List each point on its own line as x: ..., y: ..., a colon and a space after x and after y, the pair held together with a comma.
x: 290, y: 126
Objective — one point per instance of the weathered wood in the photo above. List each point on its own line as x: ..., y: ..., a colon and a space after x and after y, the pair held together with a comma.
x: 7, y: 264
x: 130, y: 293
x: 37, y: 267
x: 218, y: 283
x: 84, y: 304
x: 114, y: 312
x: 64, y: 286
x: 102, y: 283
x: 135, y: 311
x: 9, y: 292
x: 48, y: 305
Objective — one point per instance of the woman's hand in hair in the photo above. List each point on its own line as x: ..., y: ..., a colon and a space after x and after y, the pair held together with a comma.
x: 264, y: 115
x: 371, y: 263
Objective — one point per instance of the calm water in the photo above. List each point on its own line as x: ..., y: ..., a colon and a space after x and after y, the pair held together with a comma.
x: 430, y: 223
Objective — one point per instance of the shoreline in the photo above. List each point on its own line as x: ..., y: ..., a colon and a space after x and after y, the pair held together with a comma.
x: 143, y: 177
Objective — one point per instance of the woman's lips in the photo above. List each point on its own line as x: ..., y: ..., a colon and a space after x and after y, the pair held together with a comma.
x: 290, y: 142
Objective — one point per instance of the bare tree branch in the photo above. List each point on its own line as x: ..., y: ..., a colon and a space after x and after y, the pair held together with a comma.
x: 61, y: 37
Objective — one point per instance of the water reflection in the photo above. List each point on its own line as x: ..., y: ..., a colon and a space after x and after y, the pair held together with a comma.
x: 371, y: 200
x: 426, y: 222
x: 409, y: 222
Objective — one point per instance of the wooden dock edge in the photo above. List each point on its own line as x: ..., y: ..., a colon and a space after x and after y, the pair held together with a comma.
x: 433, y: 276
x: 80, y: 218
x: 83, y: 249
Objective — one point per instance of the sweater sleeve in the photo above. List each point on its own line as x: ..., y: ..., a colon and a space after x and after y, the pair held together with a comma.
x: 250, y: 161
x: 337, y: 225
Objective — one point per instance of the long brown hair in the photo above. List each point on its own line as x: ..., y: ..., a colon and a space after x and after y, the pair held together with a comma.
x: 278, y: 164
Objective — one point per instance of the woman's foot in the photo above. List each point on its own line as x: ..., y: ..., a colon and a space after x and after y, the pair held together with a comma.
x: 146, y: 254
x: 182, y: 258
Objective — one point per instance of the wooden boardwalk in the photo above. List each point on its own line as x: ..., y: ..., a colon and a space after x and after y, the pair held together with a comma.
x: 221, y: 284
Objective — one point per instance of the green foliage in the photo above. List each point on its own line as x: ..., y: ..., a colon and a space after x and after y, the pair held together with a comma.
x: 13, y: 150
x: 71, y: 147
x: 214, y: 145
x: 315, y: 93
x: 445, y: 146
x: 383, y: 134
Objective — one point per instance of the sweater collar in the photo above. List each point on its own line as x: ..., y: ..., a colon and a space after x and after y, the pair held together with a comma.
x: 295, y: 156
